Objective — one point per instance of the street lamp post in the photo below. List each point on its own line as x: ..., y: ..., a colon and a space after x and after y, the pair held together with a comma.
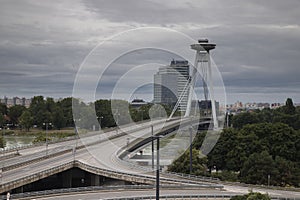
x: 47, y: 124
x: 157, y: 164
x: 117, y: 114
x: 100, y: 121
x: 127, y: 144
x: 152, y: 147
x: 269, y: 177
x: 157, y: 169
x: 191, y: 150
x: 76, y: 137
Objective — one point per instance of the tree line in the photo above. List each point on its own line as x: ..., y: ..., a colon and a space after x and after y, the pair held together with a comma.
x: 262, y: 147
x: 60, y: 113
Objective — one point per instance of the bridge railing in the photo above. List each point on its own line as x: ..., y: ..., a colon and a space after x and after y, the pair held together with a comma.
x: 189, y: 197
x: 141, y: 177
x: 69, y: 191
x: 179, y: 175
x: 91, y: 188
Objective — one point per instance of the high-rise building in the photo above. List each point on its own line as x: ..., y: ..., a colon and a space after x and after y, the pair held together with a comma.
x: 171, y: 83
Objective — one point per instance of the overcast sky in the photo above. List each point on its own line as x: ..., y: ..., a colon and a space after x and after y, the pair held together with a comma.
x: 43, y: 43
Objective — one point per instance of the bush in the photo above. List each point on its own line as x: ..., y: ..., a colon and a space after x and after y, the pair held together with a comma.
x: 252, y: 196
x: 226, y: 176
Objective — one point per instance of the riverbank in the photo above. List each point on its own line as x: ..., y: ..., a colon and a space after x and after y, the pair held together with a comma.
x: 16, y: 137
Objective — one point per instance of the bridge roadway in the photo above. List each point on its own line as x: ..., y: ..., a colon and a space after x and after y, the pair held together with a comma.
x: 184, y: 193
x: 37, y: 163
x: 104, y: 151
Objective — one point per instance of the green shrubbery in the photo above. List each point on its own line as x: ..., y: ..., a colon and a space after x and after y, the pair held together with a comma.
x: 257, y: 150
x: 252, y: 196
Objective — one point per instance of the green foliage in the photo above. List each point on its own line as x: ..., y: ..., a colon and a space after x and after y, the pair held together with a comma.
x: 59, y: 120
x: 289, y: 172
x: 251, y: 196
x: 289, y: 107
x: 287, y: 114
x: 225, y: 144
x: 14, y: 113
x: 26, y: 120
x: 1, y: 120
x: 2, y: 142
x: 3, y: 109
x: 182, y: 164
x: 41, y: 138
x: 251, y: 151
x: 242, y: 119
x: 257, y: 168
x: 66, y: 106
x: 39, y: 111
x: 103, y: 109
x: 226, y: 175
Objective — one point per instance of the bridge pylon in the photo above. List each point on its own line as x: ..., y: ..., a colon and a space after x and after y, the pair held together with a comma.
x: 202, y: 58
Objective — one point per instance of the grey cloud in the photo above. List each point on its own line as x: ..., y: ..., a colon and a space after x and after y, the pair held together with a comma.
x: 42, y: 43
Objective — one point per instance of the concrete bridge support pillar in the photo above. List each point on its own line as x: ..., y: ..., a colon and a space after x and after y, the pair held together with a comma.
x: 95, y: 180
x: 19, y: 189
x: 67, y: 179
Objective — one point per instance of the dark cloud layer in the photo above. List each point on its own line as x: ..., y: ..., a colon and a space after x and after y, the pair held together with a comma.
x: 43, y: 43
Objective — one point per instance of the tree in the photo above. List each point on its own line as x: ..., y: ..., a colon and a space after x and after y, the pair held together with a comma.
x: 58, y: 118
x: 252, y: 196
x: 15, y: 112
x: 2, y: 142
x: 26, y: 120
x: 226, y: 143
x: 38, y: 110
x: 289, y: 107
x: 1, y: 120
x: 182, y: 163
x: 257, y: 169
x: 50, y: 104
x: 242, y: 119
x: 103, y: 109
x: 3, y: 109
x: 66, y: 106
x: 289, y: 172
x: 283, y: 141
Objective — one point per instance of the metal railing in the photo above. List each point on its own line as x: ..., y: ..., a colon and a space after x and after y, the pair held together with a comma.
x: 97, y: 170
x: 187, y: 196
x: 69, y: 191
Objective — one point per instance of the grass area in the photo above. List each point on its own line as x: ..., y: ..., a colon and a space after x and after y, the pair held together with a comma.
x: 167, y: 140
x: 36, y: 132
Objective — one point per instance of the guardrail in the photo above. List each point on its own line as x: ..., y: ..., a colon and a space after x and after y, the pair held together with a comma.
x: 198, y: 197
x: 54, y: 192
x: 92, y: 188
x: 140, y: 178
x: 179, y: 175
x: 12, y: 149
x: 69, y: 191
x: 42, y: 157
x: 139, y: 142
x: 114, y: 174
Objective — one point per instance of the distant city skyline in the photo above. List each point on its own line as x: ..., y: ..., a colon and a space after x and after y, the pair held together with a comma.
x: 42, y: 43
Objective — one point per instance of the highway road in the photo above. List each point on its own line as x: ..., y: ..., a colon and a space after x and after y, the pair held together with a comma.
x: 101, y: 155
x: 120, y: 193
x: 104, y: 155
